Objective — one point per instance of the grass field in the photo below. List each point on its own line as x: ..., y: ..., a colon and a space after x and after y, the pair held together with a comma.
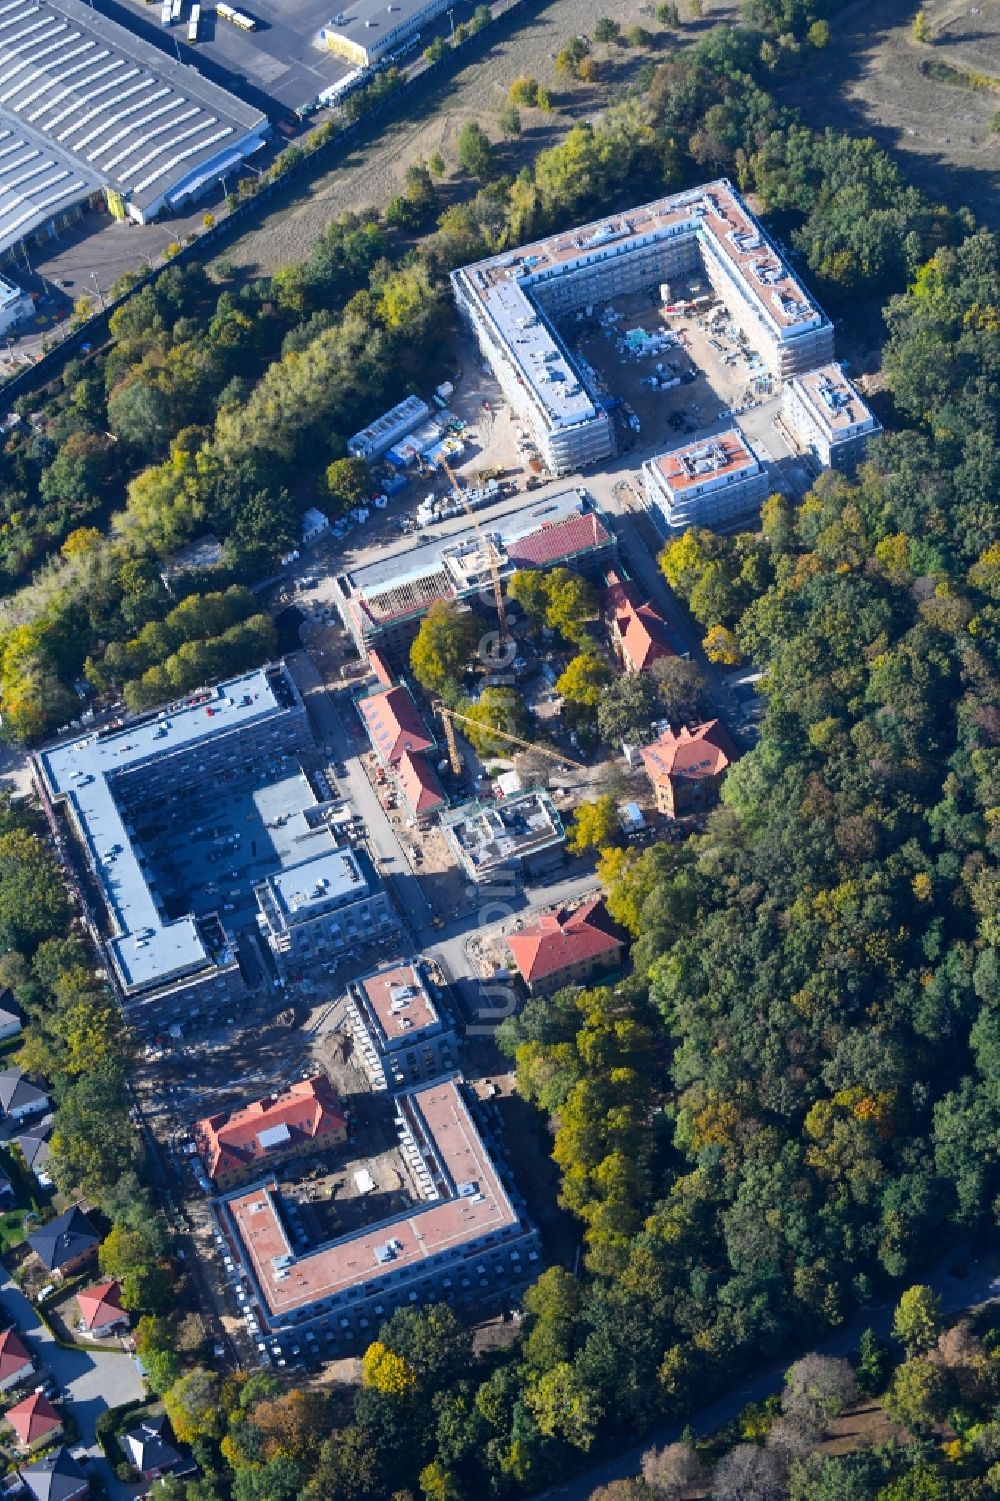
x: 372, y: 174
x: 876, y: 80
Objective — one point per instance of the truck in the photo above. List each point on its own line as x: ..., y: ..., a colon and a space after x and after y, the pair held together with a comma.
x: 193, y: 23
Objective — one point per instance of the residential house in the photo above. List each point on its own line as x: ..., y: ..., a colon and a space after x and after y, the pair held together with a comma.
x: 56, y: 1477
x: 19, y: 1098
x: 686, y: 768
x: 34, y: 1421
x: 150, y: 1452
x: 638, y: 632
x: 16, y: 1364
x: 66, y: 1243
x: 418, y: 782
x: 33, y: 1143
x: 567, y: 947
x: 10, y: 1019
x: 400, y: 739
x: 245, y: 1143
x: 101, y: 1311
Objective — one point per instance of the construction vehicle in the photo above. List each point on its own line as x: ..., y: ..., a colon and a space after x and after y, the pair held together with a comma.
x: 489, y: 551
x: 449, y: 716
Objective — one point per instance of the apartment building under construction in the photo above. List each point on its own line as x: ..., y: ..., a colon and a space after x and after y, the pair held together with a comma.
x: 512, y: 302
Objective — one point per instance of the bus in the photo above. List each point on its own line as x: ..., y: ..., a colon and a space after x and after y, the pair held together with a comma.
x: 193, y: 22
x: 237, y: 17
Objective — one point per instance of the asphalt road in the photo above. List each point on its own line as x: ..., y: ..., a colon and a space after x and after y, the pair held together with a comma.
x: 980, y: 1284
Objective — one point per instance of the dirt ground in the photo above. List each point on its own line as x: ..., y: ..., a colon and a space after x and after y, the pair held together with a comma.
x: 873, y: 84
x: 373, y: 173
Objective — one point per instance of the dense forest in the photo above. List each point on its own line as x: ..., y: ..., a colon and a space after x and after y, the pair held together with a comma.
x: 793, y: 1099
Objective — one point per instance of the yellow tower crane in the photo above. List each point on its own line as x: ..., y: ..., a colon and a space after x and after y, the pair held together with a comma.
x: 488, y: 549
x: 449, y: 716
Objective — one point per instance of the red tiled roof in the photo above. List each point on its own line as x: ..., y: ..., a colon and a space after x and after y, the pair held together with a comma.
x: 33, y: 1418
x: 704, y: 751
x: 558, y: 539
x: 394, y: 724
x: 100, y: 1304
x: 13, y: 1356
x: 309, y: 1109
x: 561, y: 939
x: 419, y: 783
x: 379, y: 667
x: 642, y: 630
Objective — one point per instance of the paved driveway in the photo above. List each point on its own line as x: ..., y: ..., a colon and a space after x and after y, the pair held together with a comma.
x: 95, y: 1379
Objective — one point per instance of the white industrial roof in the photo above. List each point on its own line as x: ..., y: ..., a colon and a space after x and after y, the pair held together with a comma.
x: 84, y: 104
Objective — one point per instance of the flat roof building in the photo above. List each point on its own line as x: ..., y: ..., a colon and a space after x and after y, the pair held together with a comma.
x: 398, y: 1028
x: 522, y: 833
x: 159, y: 804
x: 465, y: 1238
x: 383, y: 603
x: 379, y: 436
x: 88, y: 110
x: 828, y: 417
x: 512, y: 301
x: 16, y: 306
x: 706, y: 483
x: 366, y: 31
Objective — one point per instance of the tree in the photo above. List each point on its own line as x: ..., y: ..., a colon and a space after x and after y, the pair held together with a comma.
x: 387, y: 1371
x: 192, y: 1405
x: 748, y: 1473
x: 481, y: 17
x: 583, y: 679
x: 918, y: 1396
x: 606, y: 30
x: 510, y: 121
x: 348, y: 483
x: 594, y: 825
x: 721, y: 645
x: 668, y: 15
x: 572, y: 601
x: 818, y: 35
x: 818, y: 1388
x: 916, y: 1321
x: 564, y: 1406
x: 628, y: 709
x: 495, y: 709
x: 476, y: 154
x: 872, y: 1364
x: 278, y: 1479
x: 443, y: 647
x: 528, y: 588
x: 673, y: 1471
x: 523, y: 91
x: 921, y: 27
x: 682, y: 687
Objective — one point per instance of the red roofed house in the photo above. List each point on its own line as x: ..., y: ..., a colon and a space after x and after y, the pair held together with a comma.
x: 16, y: 1365
x: 243, y: 1143
x: 639, y: 633
x: 101, y: 1310
x: 35, y: 1421
x: 419, y: 785
x: 686, y: 769
x: 394, y: 725
x: 567, y: 947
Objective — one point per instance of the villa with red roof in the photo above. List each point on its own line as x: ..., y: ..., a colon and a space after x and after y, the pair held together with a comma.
x: 567, y: 947
x: 101, y: 1311
x: 686, y: 769
x: 394, y: 725
x: 418, y: 782
x: 35, y: 1421
x: 16, y: 1365
x: 241, y: 1144
x: 639, y: 634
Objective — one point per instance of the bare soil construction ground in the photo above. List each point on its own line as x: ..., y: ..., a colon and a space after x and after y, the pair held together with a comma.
x: 873, y: 80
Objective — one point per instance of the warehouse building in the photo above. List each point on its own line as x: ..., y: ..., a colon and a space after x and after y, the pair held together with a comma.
x: 160, y: 805
x: 511, y: 302
x: 383, y: 603
x: 705, y: 483
x: 397, y: 1027
x: 90, y: 113
x: 465, y: 1238
x: 365, y: 32
x: 829, y: 418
